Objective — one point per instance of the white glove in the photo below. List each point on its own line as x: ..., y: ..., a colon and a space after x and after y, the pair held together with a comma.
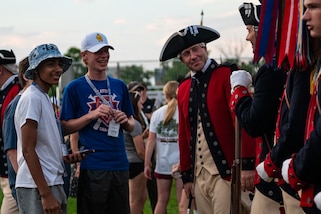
x: 262, y: 173
x: 240, y: 78
x: 285, y: 170
x: 317, y: 200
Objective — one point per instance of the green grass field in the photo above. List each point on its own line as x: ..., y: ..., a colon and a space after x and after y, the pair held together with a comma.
x: 172, y: 207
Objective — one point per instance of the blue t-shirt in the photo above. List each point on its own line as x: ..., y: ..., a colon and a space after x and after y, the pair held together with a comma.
x: 10, y: 139
x: 79, y: 99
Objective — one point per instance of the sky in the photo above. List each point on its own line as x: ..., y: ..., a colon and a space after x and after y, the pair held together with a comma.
x: 137, y: 29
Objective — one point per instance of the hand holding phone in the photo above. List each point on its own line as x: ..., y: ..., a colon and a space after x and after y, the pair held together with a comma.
x: 86, y: 151
x: 78, y: 156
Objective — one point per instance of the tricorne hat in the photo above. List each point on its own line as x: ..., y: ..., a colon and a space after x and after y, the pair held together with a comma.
x: 8, y: 60
x: 93, y: 42
x: 250, y: 13
x: 43, y: 52
x: 186, y: 38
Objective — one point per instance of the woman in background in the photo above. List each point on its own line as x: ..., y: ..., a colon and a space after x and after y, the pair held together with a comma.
x: 163, y: 133
x: 135, y: 149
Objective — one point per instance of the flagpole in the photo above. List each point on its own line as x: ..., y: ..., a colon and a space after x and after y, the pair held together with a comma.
x: 202, y: 14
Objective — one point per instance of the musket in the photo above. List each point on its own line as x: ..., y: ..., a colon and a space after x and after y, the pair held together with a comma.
x: 236, y: 172
x: 189, y: 208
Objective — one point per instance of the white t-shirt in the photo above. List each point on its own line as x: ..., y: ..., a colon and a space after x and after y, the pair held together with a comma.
x: 35, y: 105
x: 167, y: 153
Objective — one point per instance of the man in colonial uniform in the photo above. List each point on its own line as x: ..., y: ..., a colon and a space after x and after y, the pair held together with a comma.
x: 258, y: 114
x: 291, y: 132
x: 206, y: 123
x: 302, y: 170
x: 289, y: 135
x: 9, y: 88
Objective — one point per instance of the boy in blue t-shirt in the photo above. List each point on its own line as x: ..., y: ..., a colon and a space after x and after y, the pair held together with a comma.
x: 99, y: 108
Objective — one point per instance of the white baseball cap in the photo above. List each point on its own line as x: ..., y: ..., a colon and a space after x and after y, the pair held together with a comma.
x: 93, y: 42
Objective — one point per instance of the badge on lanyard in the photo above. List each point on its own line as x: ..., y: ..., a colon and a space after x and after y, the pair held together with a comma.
x: 113, y: 129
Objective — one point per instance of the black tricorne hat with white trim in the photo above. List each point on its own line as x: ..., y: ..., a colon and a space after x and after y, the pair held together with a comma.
x: 7, y: 57
x: 186, y: 38
x: 250, y: 13
x: 8, y: 60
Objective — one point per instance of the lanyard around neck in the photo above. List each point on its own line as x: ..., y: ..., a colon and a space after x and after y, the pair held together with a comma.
x: 98, y: 93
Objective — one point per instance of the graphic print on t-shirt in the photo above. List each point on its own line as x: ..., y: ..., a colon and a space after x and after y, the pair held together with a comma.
x: 102, y: 122
x: 167, y: 133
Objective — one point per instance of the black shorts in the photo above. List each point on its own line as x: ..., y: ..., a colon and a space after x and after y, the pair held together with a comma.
x: 103, y: 192
x: 135, y: 169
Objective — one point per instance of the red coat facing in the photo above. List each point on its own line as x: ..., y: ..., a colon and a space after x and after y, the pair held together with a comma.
x: 217, y: 97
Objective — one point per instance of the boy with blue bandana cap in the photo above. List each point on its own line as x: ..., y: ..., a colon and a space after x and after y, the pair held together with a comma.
x: 40, y: 153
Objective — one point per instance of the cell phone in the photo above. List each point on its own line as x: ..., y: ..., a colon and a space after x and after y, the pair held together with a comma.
x: 87, y: 151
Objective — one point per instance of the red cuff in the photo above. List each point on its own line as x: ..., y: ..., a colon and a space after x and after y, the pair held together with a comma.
x: 281, y: 181
x: 294, y: 181
x: 271, y: 169
x: 307, y: 197
x: 239, y: 92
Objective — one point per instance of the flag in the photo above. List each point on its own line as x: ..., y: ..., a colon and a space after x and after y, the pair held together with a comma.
x: 266, y: 36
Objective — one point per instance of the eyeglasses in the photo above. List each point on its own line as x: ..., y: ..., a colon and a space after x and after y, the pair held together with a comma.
x: 195, y: 49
